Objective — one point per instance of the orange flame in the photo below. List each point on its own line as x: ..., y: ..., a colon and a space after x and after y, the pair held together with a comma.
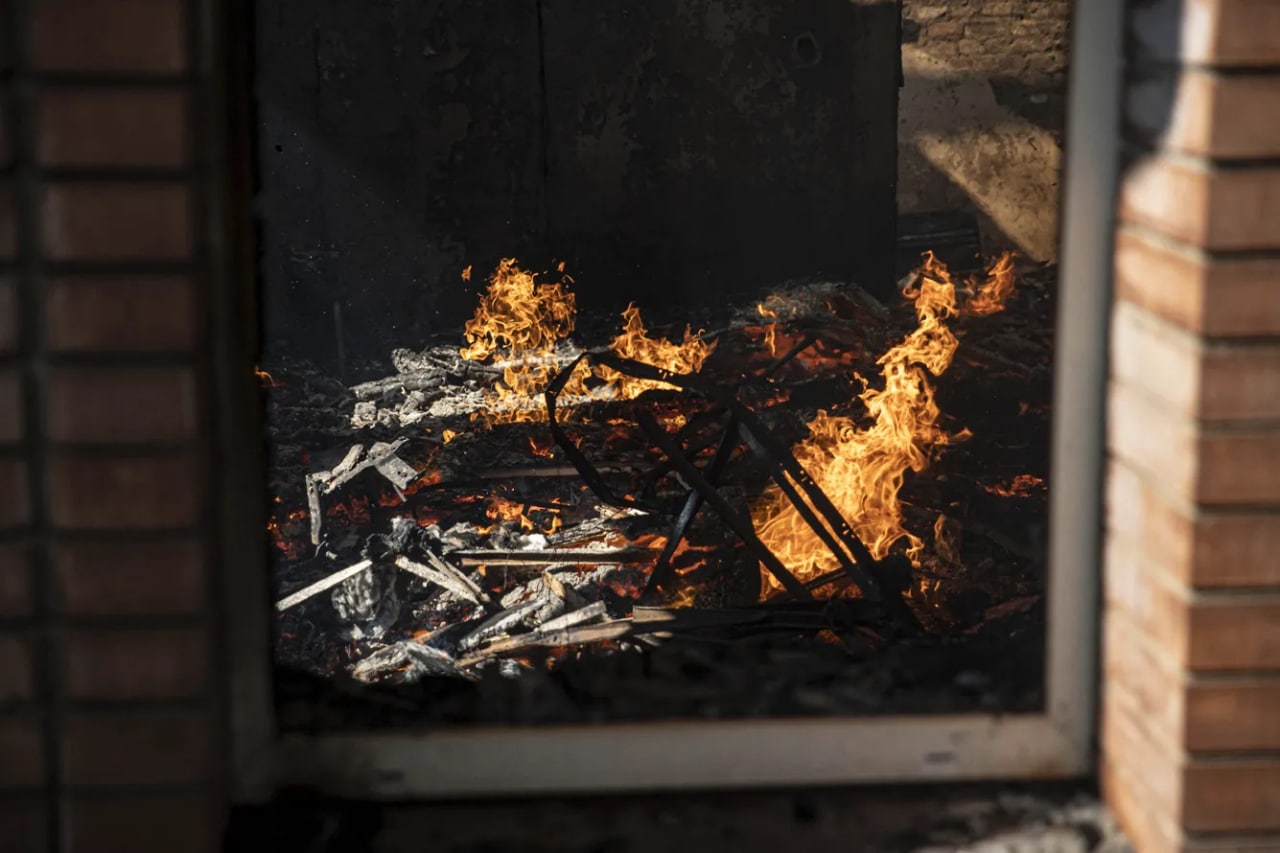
x: 862, y: 468
x: 523, y: 321
x: 1022, y: 485
x: 991, y: 296
x: 634, y: 343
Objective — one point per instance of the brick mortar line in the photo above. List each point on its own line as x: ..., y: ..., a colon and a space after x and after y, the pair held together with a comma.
x: 1211, y: 344
x: 1139, y: 62
x: 1202, y: 427
x: 114, y: 361
x: 23, y: 146
x: 102, y: 176
x: 134, y: 790
x: 90, y: 80
x: 1141, y: 149
x: 1191, y: 510
x: 1192, y: 251
x: 1131, y: 547
x: 1185, y: 679
x: 113, y: 536
x: 108, y: 268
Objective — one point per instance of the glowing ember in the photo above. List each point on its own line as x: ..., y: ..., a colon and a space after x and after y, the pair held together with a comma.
x: 1022, y: 485
x: 862, y: 467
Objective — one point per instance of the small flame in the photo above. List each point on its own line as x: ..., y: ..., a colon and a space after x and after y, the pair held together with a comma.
x: 991, y: 296
x: 634, y: 343
x: 466, y: 273
x: 770, y: 329
x: 448, y: 435
x: 267, y: 380
x: 862, y: 468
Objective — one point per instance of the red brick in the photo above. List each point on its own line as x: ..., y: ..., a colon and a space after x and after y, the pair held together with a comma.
x: 21, y: 744
x: 1243, y: 32
x: 1198, y: 548
x: 6, y: 146
x: 15, y: 506
x: 125, y: 493
x: 1127, y: 798
x: 1229, y: 466
x: 8, y: 222
x: 1233, y: 714
x: 121, y: 315
x: 23, y: 824
x: 1226, y: 33
x: 131, y: 578
x: 1149, y: 676
x: 121, y: 35
x: 1239, y: 467
x: 145, y: 823
x: 9, y: 307
x: 117, y: 222
x: 17, y: 668
x: 1197, y: 631
x: 1232, y: 632
x: 139, y: 748
x: 1145, y: 594
x: 12, y: 411
x: 1237, y: 549
x: 1217, y: 381
x: 1225, y: 116
x: 1153, y: 440
x: 88, y: 128
x: 1126, y: 743
x: 15, y: 582
x: 1232, y: 796
x: 143, y: 663
x: 1219, y: 209
x: 121, y: 405
x: 1235, y: 296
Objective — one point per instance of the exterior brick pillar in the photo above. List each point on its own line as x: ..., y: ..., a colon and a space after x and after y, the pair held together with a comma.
x: 1191, y: 707
x: 110, y: 708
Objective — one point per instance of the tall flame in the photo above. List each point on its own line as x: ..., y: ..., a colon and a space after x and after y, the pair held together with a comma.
x: 862, y: 468
x: 520, y: 322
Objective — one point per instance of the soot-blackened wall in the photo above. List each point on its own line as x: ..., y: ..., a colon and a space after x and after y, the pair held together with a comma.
x: 669, y: 151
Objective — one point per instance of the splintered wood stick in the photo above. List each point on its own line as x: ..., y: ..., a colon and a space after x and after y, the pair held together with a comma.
x: 480, y: 557
x: 321, y: 585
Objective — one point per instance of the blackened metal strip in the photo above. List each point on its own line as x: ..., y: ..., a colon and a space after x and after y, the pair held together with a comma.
x: 743, y: 528
x: 590, y: 475
x: 859, y: 568
x: 661, y: 573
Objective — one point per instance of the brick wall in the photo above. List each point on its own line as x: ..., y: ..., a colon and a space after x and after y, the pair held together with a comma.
x: 110, y: 720
x: 1191, y: 716
x: 1022, y: 41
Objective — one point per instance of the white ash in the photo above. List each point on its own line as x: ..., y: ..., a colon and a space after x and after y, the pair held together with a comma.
x: 368, y: 603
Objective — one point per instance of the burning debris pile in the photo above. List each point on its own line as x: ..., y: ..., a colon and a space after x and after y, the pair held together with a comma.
x: 513, y: 504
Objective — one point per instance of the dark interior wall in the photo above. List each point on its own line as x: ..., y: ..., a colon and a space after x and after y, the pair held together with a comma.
x: 669, y: 152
